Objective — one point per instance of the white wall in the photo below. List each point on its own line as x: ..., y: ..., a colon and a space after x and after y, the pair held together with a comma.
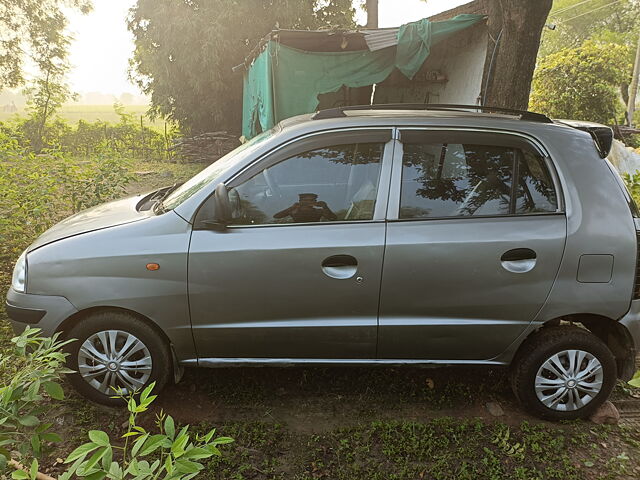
x: 461, y: 60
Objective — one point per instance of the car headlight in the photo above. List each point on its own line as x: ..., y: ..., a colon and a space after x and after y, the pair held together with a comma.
x: 19, y: 278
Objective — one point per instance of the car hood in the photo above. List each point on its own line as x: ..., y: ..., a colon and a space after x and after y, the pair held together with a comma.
x: 102, y: 216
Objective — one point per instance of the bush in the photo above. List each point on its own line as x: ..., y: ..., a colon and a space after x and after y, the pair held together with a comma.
x: 582, y: 83
x: 126, y: 138
x: 38, y: 190
x: 37, y: 366
x: 633, y: 185
x: 169, y: 454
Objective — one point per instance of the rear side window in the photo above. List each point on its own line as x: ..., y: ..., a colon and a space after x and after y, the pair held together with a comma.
x: 441, y: 179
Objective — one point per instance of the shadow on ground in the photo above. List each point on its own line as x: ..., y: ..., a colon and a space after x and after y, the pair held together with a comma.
x: 314, y: 399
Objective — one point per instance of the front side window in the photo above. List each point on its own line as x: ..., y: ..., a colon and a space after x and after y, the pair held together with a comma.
x: 334, y: 183
x: 215, y: 170
x: 467, y: 179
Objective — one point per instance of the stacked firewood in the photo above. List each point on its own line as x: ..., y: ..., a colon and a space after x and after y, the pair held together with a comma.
x: 206, y: 147
x: 622, y: 131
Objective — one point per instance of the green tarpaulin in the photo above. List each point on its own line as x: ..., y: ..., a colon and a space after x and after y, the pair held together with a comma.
x: 283, y: 82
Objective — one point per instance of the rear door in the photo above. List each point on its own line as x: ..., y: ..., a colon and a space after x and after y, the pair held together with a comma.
x: 475, y: 237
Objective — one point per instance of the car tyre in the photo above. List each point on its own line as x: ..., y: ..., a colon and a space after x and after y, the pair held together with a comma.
x: 122, y: 346
x: 563, y: 373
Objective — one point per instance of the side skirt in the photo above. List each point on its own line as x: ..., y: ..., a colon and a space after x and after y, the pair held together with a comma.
x: 287, y: 362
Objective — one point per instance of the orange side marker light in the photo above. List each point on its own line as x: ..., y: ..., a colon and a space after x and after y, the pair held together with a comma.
x: 153, y: 266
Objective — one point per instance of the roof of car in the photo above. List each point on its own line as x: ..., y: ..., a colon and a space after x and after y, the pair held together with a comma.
x: 469, y: 115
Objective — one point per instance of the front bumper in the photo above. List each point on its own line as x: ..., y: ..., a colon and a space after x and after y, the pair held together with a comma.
x: 45, y: 312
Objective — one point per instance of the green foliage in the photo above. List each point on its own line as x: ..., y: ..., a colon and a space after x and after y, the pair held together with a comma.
x: 31, y: 474
x: 632, y: 182
x: 582, y: 83
x: 635, y: 381
x: 577, y: 21
x: 38, y: 190
x: 127, y: 137
x: 28, y: 27
x: 185, y: 51
x: 169, y: 454
x: 37, y: 364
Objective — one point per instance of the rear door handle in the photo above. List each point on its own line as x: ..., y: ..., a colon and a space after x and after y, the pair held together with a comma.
x: 340, y: 266
x: 519, y: 260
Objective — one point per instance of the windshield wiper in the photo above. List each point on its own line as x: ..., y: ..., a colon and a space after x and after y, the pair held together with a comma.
x: 158, y: 207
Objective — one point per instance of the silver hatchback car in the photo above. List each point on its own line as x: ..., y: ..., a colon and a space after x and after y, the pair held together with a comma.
x: 375, y: 235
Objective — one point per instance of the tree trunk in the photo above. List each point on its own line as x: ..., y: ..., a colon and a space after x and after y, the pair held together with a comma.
x: 633, y: 88
x: 515, y: 28
x: 372, y: 13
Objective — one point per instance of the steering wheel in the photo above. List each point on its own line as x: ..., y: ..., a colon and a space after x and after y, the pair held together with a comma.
x: 271, y: 184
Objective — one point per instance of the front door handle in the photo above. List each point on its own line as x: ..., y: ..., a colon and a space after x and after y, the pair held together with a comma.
x: 519, y: 260
x: 340, y: 266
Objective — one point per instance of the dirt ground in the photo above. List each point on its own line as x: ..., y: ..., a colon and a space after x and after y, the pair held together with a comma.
x: 380, y: 423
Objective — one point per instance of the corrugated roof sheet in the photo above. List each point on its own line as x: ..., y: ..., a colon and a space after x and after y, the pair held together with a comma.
x: 381, y: 38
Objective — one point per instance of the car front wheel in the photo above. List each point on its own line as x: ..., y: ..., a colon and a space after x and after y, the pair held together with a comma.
x: 115, y: 353
x: 563, y: 373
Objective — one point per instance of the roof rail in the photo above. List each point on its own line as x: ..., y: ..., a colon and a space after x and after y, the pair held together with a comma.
x: 340, y: 111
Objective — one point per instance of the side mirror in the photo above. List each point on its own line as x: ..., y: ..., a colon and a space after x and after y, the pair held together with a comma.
x: 222, y: 204
x: 221, y: 211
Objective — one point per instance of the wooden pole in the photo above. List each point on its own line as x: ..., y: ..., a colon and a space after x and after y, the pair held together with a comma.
x: 633, y: 88
x: 372, y: 13
x: 39, y: 475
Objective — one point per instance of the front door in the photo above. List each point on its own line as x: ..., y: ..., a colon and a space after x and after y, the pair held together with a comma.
x: 474, y: 242
x: 297, y: 274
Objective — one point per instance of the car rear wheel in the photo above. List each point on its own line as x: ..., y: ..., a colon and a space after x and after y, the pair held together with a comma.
x: 116, y: 352
x: 563, y: 373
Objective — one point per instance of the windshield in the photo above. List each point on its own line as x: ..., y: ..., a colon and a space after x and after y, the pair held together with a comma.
x: 212, y: 172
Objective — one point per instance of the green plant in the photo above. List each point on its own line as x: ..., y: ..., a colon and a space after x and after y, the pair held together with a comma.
x: 37, y: 365
x: 38, y: 190
x: 632, y: 182
x: 582, y: 83
x: 169, y: 454
x: 635, y: 381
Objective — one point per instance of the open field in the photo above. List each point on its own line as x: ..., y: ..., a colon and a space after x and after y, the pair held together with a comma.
x: 359, y: 423
x: 92, y: 113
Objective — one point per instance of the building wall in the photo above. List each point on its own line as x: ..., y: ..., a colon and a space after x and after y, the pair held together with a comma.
x: 459, y: 58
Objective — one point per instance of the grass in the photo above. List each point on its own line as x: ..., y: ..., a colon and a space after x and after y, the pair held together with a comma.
x: 92, y: 113
x: 357, y: 423
x: 373, y: 446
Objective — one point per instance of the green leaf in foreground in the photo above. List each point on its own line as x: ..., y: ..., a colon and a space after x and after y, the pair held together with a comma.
x: 54, y: 390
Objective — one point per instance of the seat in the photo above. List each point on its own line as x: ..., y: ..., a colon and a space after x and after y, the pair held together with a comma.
x: 362, y: 203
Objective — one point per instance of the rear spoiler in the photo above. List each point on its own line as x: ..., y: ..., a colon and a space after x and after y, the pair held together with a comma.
x: 601, y: 134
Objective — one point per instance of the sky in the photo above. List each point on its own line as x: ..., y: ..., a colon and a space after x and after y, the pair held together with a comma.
x: 102, y: 45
